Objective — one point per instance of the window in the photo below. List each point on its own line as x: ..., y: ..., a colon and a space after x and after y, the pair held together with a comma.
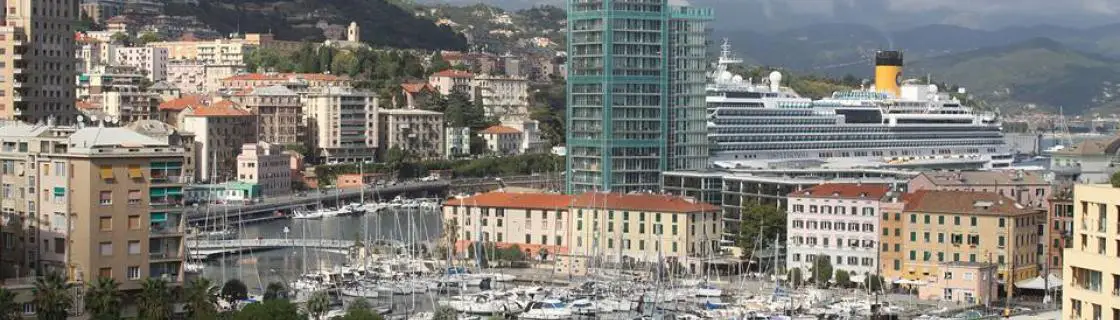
x: 134, y: 247
x: 105, y: 273
x: 133, y: 273
x: 528, y: 239
x: 106, y: 198
x: 972, y: 221
x: 925, y: 218
x: 913, y: 218
x: 957, y: 221
x: 60, y: 245
x: 106, y: 248
x: 105, y: 223
x: 134, y: 222
x: 913, y: 255
x: 1002, y: 222
x: 940, y: 219
x: 134, y: 197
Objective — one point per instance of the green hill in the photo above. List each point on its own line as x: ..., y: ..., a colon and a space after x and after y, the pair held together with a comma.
x: 382, y: 23
x: 1037, y: 71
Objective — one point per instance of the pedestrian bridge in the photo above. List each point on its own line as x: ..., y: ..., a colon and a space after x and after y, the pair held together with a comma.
x: 268, y: 244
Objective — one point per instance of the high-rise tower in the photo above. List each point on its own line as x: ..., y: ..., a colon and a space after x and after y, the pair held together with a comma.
x: 37, y: 60
x: 636, y: 77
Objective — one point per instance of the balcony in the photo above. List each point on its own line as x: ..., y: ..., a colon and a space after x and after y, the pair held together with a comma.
x: 166, y: 228
x: 166, y: 254
x: 168, y: 179
x: 166, y: 202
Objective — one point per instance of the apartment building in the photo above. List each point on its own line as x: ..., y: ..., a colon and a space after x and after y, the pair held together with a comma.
x: 450, y: 80
x: 1029, y: 188
x: 970, y: 283
x: 279, y: 110
x: 93, y: 53
x: 502, y: 140
x: 457, y: 142
x: 1090, y: 161
x: 98, y: 202
x: 37, y: 60
x: 152, y: 62
x: 1059, y: 231
x: 589, y: 226
x: 311, y: 80
x: 1091, y: 280
x: 220, y: 51
x: 891, y: 240
x: 503, y: 97
x: 941, y: 226
x: 170, y: 110
x: 839, y: 221
x: 115, y: 91
x: 265, y: 165
x: 200, y: 77
x: 419, y: 132
x: 342, y: 124
x: 221, y: 128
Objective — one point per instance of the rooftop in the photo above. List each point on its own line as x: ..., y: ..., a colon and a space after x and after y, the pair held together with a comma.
x: 452, y: 73
x: 1093, y: 147
x: 183, y: 103
x: 224, y: 108
x: 964, y: 202
x: 276, y: 90
x: 415, y: 87
x: 500, y: 130
x: 90, y: 137
x: 549, y: 201
x: 401, y: 112
x: 844, y: 190
x: 1002, y: 177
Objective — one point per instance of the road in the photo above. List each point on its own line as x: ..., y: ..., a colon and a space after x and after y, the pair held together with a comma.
x: 271, y: 205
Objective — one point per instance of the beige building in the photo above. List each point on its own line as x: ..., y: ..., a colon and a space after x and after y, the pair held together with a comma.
x: 220, y: 51
x: 450, y: 80
x: 279, y: 110
x: 37, y: 60
x: 312, y: 80
x: 419, y: 132
x: 104, y: 202
x: 115, y: 92
x: 972, y: 283
x: 264, y: 164
x: 1029, y: 188
x: 199, y: 77
x: 953, y: 226
x: 589, y: 226
x: 1091, y: 279
x: 342, y: 124
x: 220, y: 128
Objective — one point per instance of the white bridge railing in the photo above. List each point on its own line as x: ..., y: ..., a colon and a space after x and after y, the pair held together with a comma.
x: 269, y: 243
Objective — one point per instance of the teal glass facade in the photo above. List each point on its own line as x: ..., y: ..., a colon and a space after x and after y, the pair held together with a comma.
x: 636, y: 77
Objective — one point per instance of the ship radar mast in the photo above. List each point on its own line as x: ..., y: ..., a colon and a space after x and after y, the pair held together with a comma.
x: 725, y: 55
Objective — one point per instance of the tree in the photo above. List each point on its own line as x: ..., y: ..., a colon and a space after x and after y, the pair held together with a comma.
x: 276, y: 309
x: 154, y: 302
x: 843, y: 278
x: 120, y: 38
x: 149, y: 37
x: 445, y: 313
x: 1115, y: 180
x: 360, y: 310
x: 436, y: 63
x: 795, y: 277
x: 822, y: 270
x: 234, y: 290
x: 275, y: 290
x: 318, y: 304
x: 769, y: 219
x: 52, y: 297
x: 201, y: 297
x: 9, y: 309
x: 103, y: 299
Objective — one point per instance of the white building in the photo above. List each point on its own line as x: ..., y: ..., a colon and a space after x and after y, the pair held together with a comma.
x: 151, y: 61
x: 458, y: 142
x: 198, y: 77
x: 342, y: 123
x: 265, y: 165
x: 419, y: 132
x: 502, y: 140
x: 450, y: 80
x: 504, y: 97
x: 530, y: 141
x: 839, y: 221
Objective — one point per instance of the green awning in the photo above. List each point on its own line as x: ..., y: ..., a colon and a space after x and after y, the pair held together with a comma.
x: 175, y: 191
x: 158, y: 192
x: 159, y: 216
x: 59, y: 192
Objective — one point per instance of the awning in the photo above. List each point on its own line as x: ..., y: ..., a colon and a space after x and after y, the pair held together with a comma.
x: 134, y: 172
x: 106, y: 172
x: 1038, y: 283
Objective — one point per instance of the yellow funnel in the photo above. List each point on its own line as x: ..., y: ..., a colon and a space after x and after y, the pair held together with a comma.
x: 888, y: 72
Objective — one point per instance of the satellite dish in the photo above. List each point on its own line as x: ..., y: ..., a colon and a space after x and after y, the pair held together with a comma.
x: 81, y: 118
x: 94, y: 118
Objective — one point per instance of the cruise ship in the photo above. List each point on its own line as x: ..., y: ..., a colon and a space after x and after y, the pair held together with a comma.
x: 894, y: 123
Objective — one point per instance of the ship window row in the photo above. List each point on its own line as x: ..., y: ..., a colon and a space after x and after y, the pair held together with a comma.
x: 786, y: 145
x: 770, y: 121
x: 838, y: 129
x: 859, y: 136
x: 757, y: 108
x: 744, y: 112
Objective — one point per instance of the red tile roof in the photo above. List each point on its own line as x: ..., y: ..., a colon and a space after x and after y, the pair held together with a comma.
x: 615, y: 201
x: 452, y: 73
x: 451, y: 55
x: 224, y: 108
x: 500, y: 130
x: 82, y: 104
x: 497, y: 199
x: 641, y: 202
x: 415, y: 87
x: 844, y: 190
x: 963, y: 202
x: 183, y: 103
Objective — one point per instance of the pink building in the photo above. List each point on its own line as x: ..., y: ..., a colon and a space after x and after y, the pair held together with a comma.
x: 963, y: 282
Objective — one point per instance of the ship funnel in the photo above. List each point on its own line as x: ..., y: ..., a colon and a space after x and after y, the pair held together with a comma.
x: 888, y: 72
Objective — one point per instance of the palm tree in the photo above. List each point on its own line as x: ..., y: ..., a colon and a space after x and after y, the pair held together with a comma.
x: 103, y: 299
x: 318, y: 304
x: 275, y: 290
x: 154, y: 302
x: 52, y: 297
x: 201, y: 297
x: 445, y: 313
x: 9, y: 309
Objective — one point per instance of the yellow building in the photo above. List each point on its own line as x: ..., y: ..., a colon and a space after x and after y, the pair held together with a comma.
x: 1094, y: 257
x: 944, y: 226
x: 591, y: 226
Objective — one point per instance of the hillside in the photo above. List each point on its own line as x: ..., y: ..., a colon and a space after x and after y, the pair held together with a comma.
x: 493, y: 29
x: 382, y: 23
x: 1037, y: 71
